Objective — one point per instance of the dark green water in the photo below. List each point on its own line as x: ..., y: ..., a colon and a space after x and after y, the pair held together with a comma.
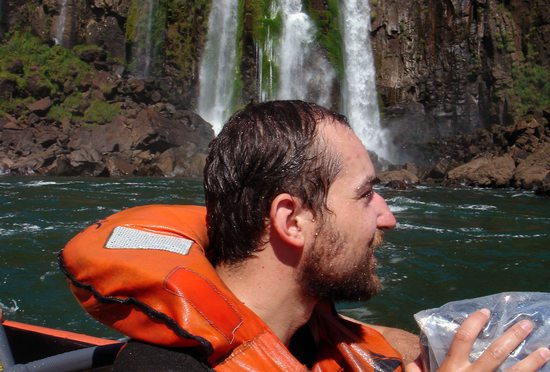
x: 450, y: 244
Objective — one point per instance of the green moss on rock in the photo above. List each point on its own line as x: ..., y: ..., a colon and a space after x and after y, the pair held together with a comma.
x: 531, y: 88
x: 100, y: 112
x: 329, y: 35
x: 38, y: 69
x: 186, y: 32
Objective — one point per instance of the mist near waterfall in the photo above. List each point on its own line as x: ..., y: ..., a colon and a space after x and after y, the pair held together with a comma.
x: 143, y: 51
x: 60, y: 26
x: 305, y: 72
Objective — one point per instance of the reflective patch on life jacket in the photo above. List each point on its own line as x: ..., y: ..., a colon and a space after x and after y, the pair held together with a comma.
x: 127, y: 238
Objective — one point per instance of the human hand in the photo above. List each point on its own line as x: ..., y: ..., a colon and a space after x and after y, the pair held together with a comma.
x: 459, y: 351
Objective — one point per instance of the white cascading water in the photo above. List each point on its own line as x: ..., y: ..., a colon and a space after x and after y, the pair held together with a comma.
x: 61, y: 20
x: 304, y: 72
x: 360, y: 101
x: 217, y: 71
x: 143, y: 53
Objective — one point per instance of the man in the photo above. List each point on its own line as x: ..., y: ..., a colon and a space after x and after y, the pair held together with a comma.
x: 293, y: 222
x: 292, y: 212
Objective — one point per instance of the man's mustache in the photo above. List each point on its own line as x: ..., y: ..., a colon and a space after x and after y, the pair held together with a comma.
x: 378, y: 238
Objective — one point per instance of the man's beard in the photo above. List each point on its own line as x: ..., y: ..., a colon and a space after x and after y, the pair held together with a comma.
x: 325, y: 277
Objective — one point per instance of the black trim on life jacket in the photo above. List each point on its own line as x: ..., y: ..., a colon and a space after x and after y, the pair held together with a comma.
x: 206, y: 348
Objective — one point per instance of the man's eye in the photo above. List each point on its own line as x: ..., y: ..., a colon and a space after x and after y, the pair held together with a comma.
x: 368, y: 195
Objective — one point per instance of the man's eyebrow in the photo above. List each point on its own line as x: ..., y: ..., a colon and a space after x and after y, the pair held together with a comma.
x: 367, y: 184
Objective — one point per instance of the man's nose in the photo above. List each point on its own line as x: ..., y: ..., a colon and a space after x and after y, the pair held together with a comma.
x: 385, y: 218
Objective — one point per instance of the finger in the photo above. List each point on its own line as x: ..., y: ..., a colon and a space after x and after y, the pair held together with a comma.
x: 533, y: 362
x: 466, y: 335
x: 499, y: 350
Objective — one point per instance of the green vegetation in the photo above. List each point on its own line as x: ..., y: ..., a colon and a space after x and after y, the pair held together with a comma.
x: 504, y: 39
x: 58, y: 113
x: 267, y: 27
x: 132, y: 21
x: 100, y: 112
x: 36, y: 69
x: 329, y: 36
x: 236, y: 94
x: 52, y: 65
x: 531, y: 87
x: 68, y: 109
x: 31, y: 69
x: 186, y: 30
x: 83, y: 49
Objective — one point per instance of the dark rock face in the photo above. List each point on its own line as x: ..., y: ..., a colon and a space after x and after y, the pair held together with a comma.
x: 154, y: 141
x: 513, y: 156
x: 447, y: 67
x: 107, y: 33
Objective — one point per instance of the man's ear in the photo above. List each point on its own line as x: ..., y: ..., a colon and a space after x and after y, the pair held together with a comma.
x: 287, y: 220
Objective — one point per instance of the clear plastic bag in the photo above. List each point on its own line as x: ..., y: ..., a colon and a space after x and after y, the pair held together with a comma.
x: 438, y: 326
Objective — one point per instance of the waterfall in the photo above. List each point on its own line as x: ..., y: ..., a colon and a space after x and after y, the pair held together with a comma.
x: 61, y: 20
x: 304, y: 72
x: 144, y: 51
x: 360, y: 101
x: 218, y: 65
x: 291, y: 65
x: 265, y: 59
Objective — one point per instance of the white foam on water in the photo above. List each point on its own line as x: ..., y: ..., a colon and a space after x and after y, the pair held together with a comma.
x: 397, y: 208
x: 525, y: 193
x: 40, y: 183
x: 402, y: 200
x: 46, y: 274
x: 27, y: 227
x: 479, y: 207
x: 18, y: 228
x: 514, y: 236
x: 471, y: 229
x: 104, y: 184
x: 356, y: 313
x: 9, y: 310
x: 395, y: 260
x: 406, y: 226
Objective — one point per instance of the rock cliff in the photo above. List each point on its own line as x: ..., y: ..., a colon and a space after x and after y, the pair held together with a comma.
x: 445, y: 69
x: 454, y: 66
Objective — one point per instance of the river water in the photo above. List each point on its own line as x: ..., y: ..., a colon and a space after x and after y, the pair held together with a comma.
x: 449, y: 244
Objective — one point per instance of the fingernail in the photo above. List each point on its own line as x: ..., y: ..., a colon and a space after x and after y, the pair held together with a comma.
x: 526, y: 325
x: 486, y: 312
x: 545, y: 353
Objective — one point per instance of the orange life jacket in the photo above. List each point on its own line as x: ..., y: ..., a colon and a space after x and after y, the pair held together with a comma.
x: 143, y: 272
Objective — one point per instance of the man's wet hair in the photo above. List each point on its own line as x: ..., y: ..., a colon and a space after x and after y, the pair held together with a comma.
x: 262, y: 151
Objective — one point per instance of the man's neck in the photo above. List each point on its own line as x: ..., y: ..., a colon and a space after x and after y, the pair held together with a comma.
x: 270, y: 290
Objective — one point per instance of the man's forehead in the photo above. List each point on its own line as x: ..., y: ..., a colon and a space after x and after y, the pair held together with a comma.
x: 356, y: 165
x: 330, y: 127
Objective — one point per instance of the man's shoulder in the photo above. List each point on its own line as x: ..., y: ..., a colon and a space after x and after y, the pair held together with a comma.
x: 141, y: 356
